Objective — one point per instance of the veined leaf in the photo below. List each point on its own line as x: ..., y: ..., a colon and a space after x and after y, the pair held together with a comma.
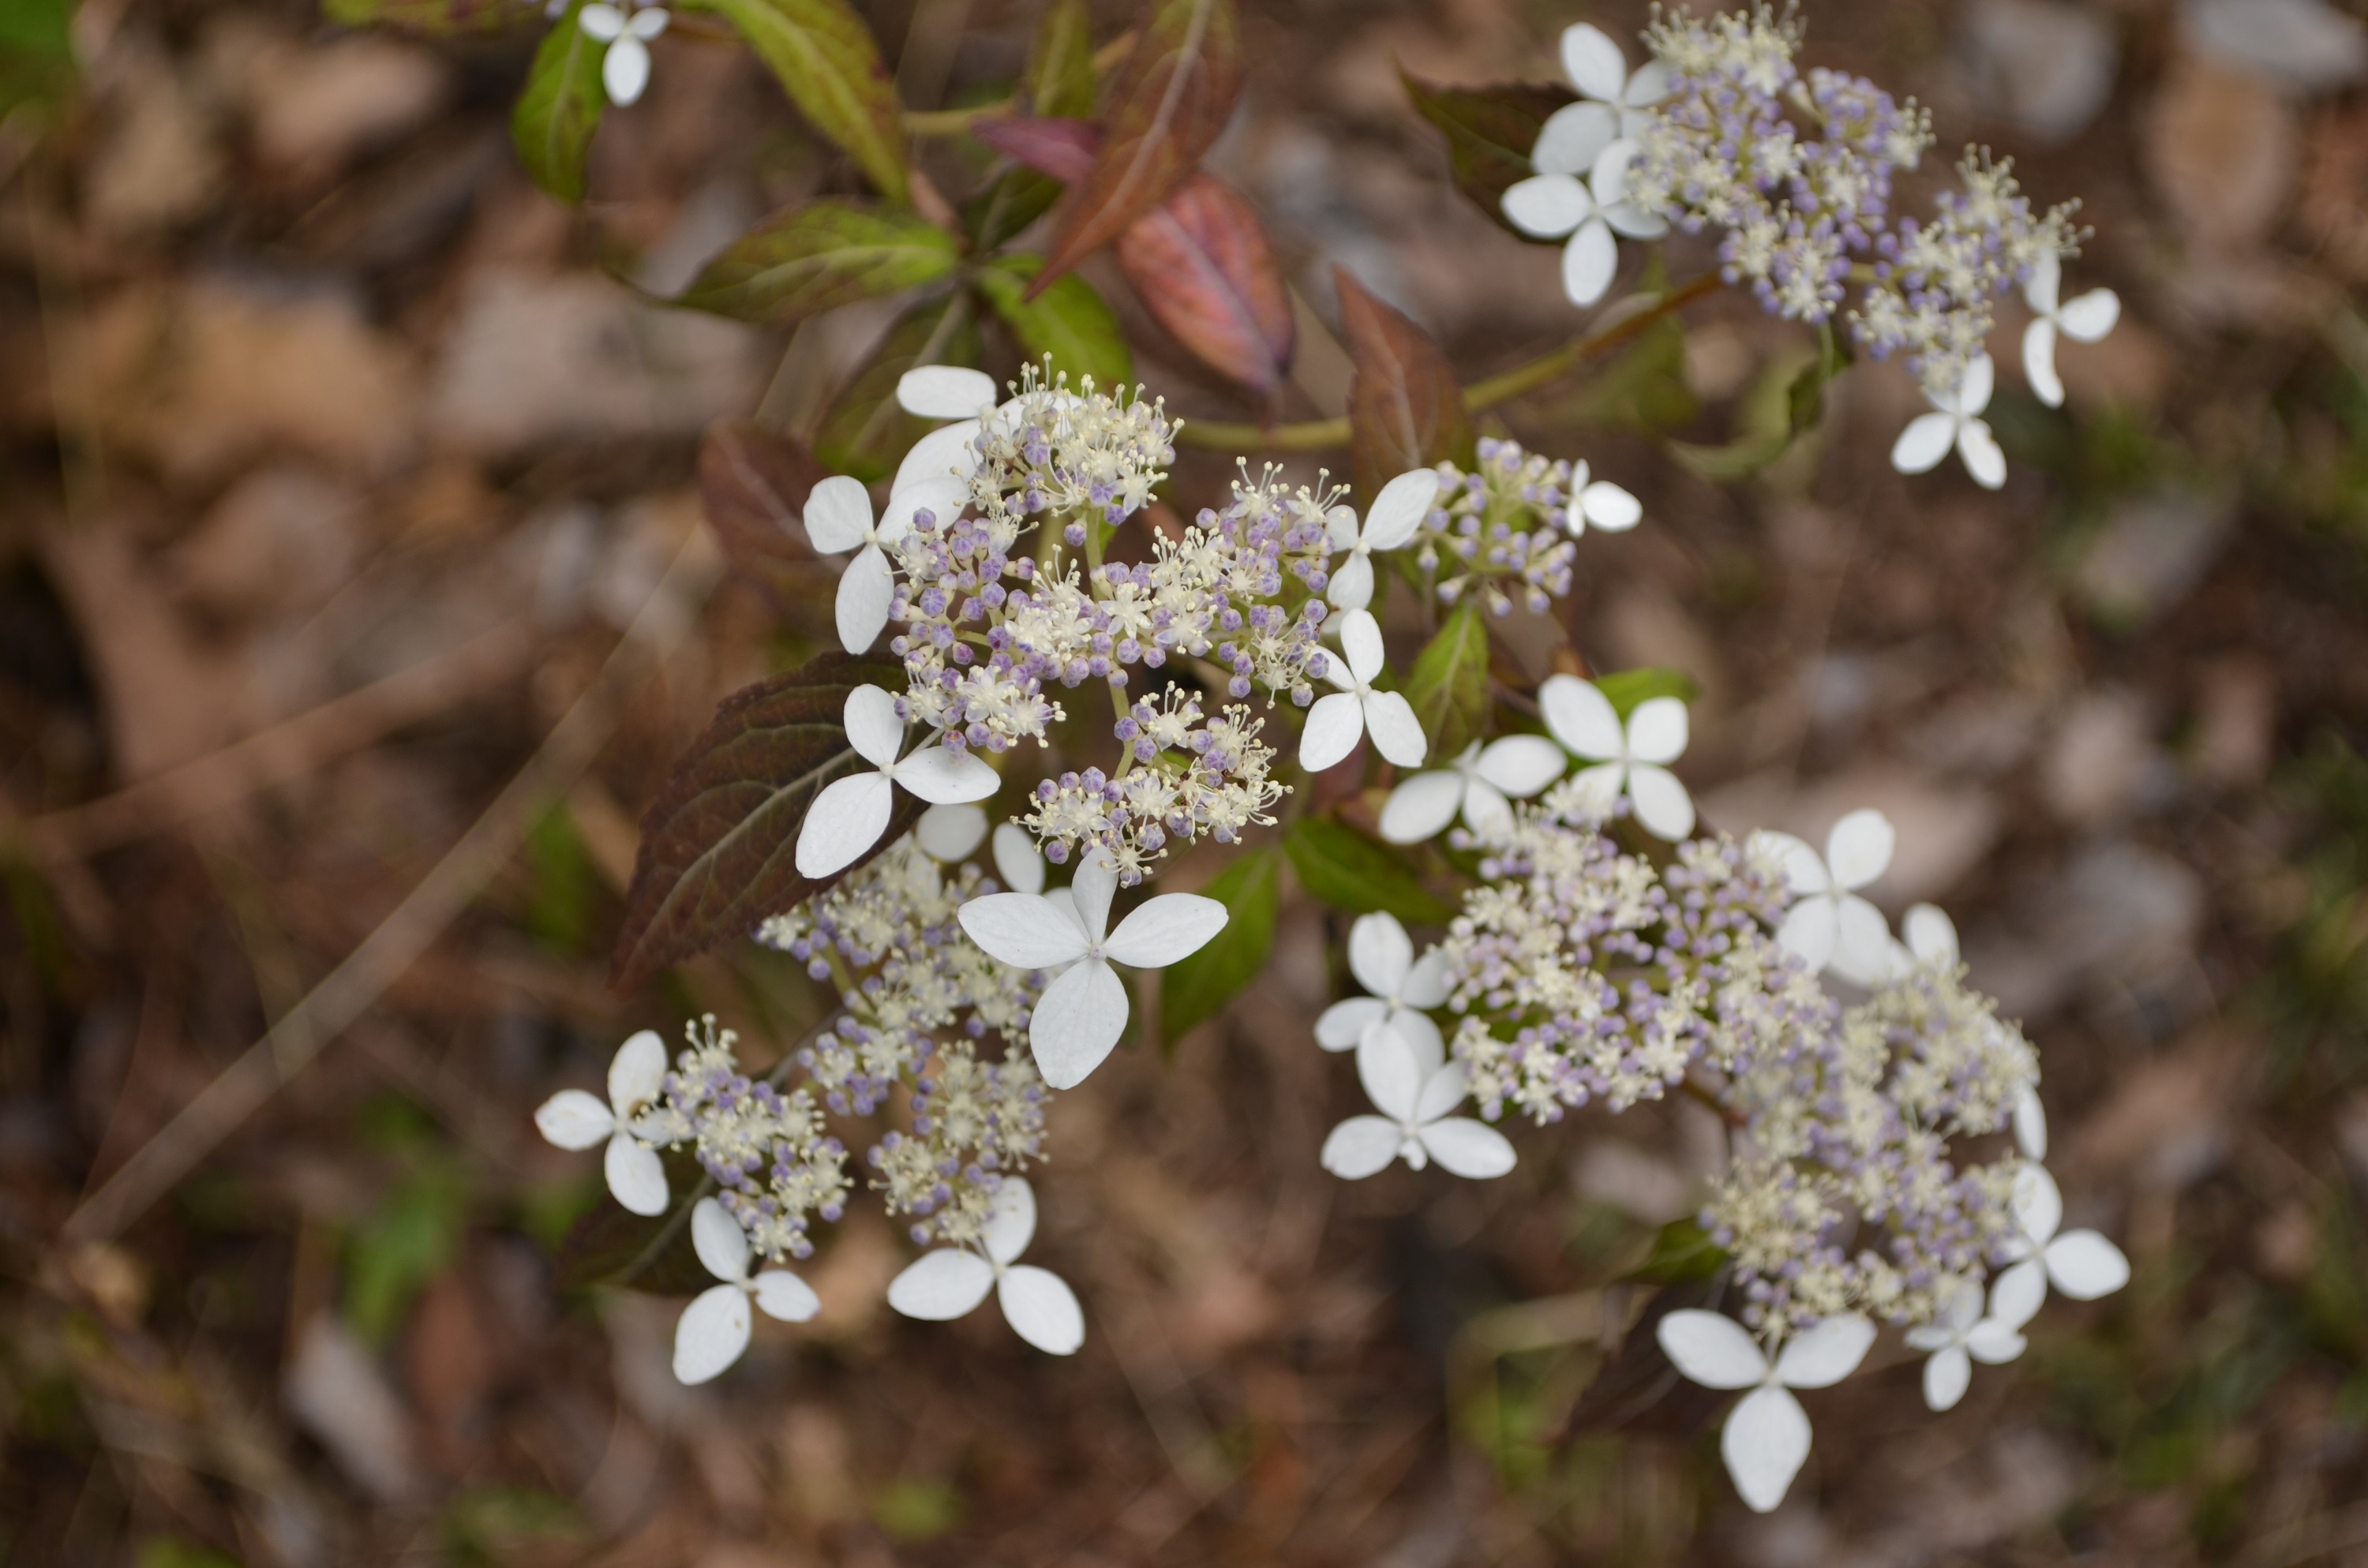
x: 1196, y: 988
x: 1449, y: 687
x: 753, y: 484
x: 1341, y: 867
x: 1406, y: 407
x: 719, y: 844
x: 868, y: 430
x: 1629, y: 689
x: 825, y: 60
x: 816, y: 257
x: 1060, y: 77
x: 1490, y: 133
x: 435, y: 19
x: 1200, y: 263
x: 1067, y: 321
x: 609, y: 1245
x: 1168, y: 107
x: 560, y: 108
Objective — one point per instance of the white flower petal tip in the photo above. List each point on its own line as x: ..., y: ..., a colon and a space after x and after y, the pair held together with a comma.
x: 853, y: 812
x: 1629, y: 760
x: 1831, y: 926
x: 946, y: 392
x: 1766, y: 1440
x: 1414, y: 1092
x: 715, y: 1328
x: 1956, y: 422
x: 575, y: 1120
x: 951, y: 1281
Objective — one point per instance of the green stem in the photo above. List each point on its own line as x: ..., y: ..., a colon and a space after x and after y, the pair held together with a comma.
x: 1323, y: 434
x: 955, y: 121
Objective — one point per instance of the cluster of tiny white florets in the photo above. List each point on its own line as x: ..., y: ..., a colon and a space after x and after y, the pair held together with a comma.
x: 1796, y: 170
x: 916, y: 988
x: 770, y: 1153
x: 1503, y: 530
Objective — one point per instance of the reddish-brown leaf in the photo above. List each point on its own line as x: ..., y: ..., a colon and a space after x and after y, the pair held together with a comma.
x: 1202, y: 266
x: 753, y: 484
x: 1490, y: 133
x: 1167, y: 108
x: 1406, y: 408
x: 1062, y: 148
x: 719, y: 845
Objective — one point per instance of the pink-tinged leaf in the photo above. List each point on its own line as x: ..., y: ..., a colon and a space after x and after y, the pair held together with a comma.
x: 753, y: 484
x: 1202, y: 266
x: 1062, y: 148
x: 1406, y: 407
x: 1167, y: 108
x: 718, y: 844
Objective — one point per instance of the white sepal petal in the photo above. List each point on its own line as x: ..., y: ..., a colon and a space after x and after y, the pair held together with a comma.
x: 1711, y: 1349
x: 1076, y: 1023
x: 722, y: 1244
x: 945, y: 391
x: 942, y: 1285
x: 845, y: 820
x: 1765, y: 1444
x: 1041, y: 1310
x: 1361, y: 1146
x: 636, y: 1175
x: 1010, y: 1221
x: 713, y: 1332
x: 783, y: 1296
x: 1469, y: 1148
x: 575, y: 1120
x: 1162, y: 930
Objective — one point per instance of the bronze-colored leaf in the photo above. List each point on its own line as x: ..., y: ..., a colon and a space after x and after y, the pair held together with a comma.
x: 1166, y: 108
x: 719, y: 845
x: 1406, y: 408
x: 1490, y: 133
x: 608, y: 1245
x: 753, y: 484
x: 1636, y: 1388
x: 1201, y: 264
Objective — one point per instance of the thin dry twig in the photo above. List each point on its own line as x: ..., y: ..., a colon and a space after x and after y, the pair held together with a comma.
x: 351, y: 988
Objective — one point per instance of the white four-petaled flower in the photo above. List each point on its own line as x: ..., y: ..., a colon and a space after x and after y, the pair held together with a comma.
x: 1612, y: 105
x: 2080, y: 1264
x: 715, y: 1327
x: 1766, y: 1440
x: 625, y: 65
x: 1955, y: 421
x: 1960, y: 1337
x: 1482, y: 784
x: 1381, y: 955
x: 1632, y: 759
x: 575, y: 1120
x: 1390, y: 521
x: 851, y: 813
x: 1414, y: 1124
x: 1342, y: 718
x: 951, y: 1281
x: 1600, y: 503
x: 2083, y: 320
x: 1551, y: 206
x: 838, y: 519
x: 1083, y: 1011
x: 1829, y: 926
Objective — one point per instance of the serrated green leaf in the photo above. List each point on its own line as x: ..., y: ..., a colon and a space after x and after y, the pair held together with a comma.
x: 1448, y: 686
x: 1196, y: 988
x: 1067, y: 321
x: 1630, y: 688
x: 1682, y: 1251
x: 1341, y: 867
x: 867, y: 430
x: 560, y: 108
x: 819, y: 256
x: 825, y: 60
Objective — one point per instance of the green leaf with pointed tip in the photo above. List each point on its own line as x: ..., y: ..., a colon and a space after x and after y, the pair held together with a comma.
x: 1628, y: 689
x: 1341, y: 867
x: 826, y: 61
x: 1449, y: 687
x: 867, y: 430
x: 560, y: 108
x: 1196, y: 988
x: 1067, y: 321
x: 819, y: 256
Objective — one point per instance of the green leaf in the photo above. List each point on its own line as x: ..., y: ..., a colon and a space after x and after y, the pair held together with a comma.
x: 404, y: 1241
x: 1406, y: 407
x: 1060, y: 78
x: 816, y: 257
x: 1490, y: 133
x: 436, y: 18
x: 1630, y: 688
x: 1449, y: 687
x: 560, y: 108
x: 1644, y: 388
x: 1682, y: 1251
x: 826, y: 61
x: 1341, y: 867
x: 36, y: 60
x: 1196, y: 988
x: 866, y: 429
x: 1786, y: 403
x: 719, y: 842
x: 1068, y: 321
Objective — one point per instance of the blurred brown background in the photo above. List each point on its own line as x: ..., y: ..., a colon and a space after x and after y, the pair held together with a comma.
x: 353, y: 601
